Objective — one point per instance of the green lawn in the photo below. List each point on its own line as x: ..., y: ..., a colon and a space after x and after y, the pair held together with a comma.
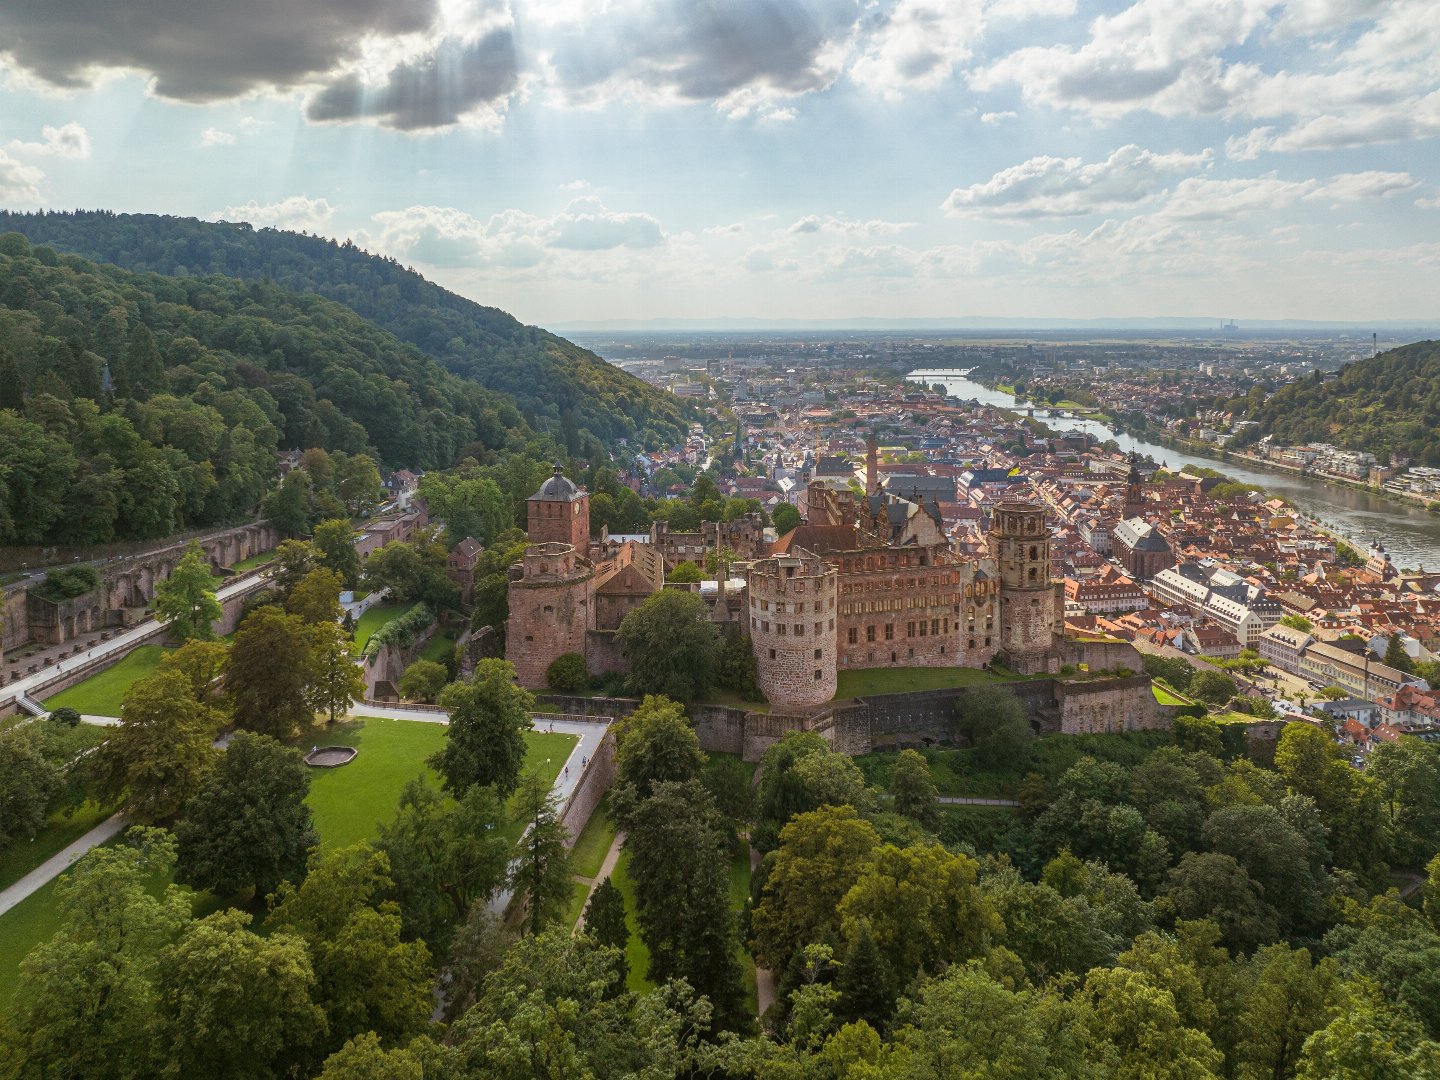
x: 1167, y: 697
x: 438, y: 647
x: 350, y: 802
x: 860, y: 683
x: 348, y: 805
x: 579, y: 893
x: 739, y: 897
x: 100, y: 695
x: 253, y: 561
x: 58, y: 832
x: 375, y: 618
x: 636, y: 954
x: 594, y: 843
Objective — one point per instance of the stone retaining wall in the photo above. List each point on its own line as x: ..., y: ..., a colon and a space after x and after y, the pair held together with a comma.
x: 595, y: 780
x: 894, y: 721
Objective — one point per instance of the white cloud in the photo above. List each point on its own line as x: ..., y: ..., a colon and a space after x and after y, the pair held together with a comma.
x: 67, y: 141
x: 447, y: 237
x: 1429, y: 202
x: 574, y: 185
x: 1349, y: 187
x: 19, y: 183
x: 296, y: 212
x: 1161, y: 55
x: 215, y: 137
x: 918, y: 45
x: 995, y: 118
x: 1063, y: 187
x: 840, y: 225
x: 1249, y: 146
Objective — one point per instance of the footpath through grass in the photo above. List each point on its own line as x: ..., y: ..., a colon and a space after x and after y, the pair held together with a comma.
x: 348, y: 805
x: 902, y: 680
x: 101, y: 694
x: 58, y: 833
x: 593, y: 844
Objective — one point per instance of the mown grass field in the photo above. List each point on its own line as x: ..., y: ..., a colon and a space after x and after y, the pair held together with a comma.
x: 101, y: 694
x: 852, y: 683
x: 348, y: 805
x: 375, y: 618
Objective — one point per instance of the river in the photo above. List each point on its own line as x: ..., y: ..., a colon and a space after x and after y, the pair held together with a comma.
x: 1410, y: 534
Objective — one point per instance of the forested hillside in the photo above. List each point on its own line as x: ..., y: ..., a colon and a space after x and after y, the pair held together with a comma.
x: 132, y: 405
x: 555, y: 383
x: 1389, y: 404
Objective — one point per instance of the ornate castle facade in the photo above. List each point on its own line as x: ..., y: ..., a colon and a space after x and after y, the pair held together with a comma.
x: 868, y: 581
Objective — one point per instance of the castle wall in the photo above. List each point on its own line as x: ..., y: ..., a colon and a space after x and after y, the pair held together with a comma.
x: 898, y: 608
x: 1107, y: 706
x: 603, y: 655
x: 894, y: 721
x: 595, y: 779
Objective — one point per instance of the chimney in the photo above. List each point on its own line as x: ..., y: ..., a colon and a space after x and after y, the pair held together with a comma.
x: 872, y: 465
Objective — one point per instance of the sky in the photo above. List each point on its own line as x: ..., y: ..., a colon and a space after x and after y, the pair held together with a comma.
x: 573, y: 160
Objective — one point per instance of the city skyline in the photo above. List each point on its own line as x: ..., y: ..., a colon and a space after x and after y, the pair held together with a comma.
x: 774, y: 159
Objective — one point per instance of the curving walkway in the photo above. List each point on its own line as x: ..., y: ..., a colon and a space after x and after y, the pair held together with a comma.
x: 59, y: 862
x: 588, y: 741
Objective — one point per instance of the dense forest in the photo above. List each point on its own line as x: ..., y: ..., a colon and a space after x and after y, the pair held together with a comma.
x: 556, y: 383
x: 133, y: 405
x: 1389, y: 405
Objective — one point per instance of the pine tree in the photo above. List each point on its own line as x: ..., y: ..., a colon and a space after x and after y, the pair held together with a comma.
x: 12, y: 390
x: 1397, y: 657
x: 142, y: 371
x: 864, y: 982
x: 605, y: 922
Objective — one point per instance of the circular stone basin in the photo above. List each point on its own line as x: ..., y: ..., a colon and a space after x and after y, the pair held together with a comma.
x: 330, y: 757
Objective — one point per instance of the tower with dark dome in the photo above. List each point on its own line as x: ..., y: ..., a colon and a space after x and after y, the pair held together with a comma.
x: 559, y: 513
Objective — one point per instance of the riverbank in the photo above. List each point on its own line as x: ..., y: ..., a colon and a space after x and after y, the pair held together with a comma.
x: 1358, y: 515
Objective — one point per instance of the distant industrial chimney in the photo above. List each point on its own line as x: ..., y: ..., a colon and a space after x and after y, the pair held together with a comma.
x: 1374, y: 344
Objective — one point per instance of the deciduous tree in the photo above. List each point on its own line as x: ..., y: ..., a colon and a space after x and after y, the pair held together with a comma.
x: 162, y: 750
x: 268, y: 673
x: 185, y: 601
x: 248, y: 825
x: 485, y: 739
x: 671, y: 646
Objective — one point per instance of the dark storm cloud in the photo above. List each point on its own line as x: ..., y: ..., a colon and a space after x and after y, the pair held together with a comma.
x: 699, y: 49
x: 198, y: 50
x: 433, y: 91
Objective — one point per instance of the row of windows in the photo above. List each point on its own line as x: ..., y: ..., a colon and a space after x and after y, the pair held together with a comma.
x: 783, y: 628
x: 915, y: 628
x: 890, y: 583
x: 908, y: 604
x: 780, y: 606
x: 880, y: 562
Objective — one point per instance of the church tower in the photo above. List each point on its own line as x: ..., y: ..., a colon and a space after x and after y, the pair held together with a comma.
x: 559, y: 513
x: 1134, y: 491
x: 872, y: 465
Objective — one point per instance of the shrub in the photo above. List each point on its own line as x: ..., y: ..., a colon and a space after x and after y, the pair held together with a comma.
x: 401, y: 630
x: 66, y: 715
x: 567, y: 674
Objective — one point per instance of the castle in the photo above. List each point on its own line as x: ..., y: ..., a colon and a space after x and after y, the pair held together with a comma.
x: 868, y: 581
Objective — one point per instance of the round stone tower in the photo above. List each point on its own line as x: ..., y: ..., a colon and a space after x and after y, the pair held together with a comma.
x: 792, y: 628
x: 550, y: 610
x: 1020, y: 546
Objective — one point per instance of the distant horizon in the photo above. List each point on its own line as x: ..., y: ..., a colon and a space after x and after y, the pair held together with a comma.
x: 972, y: 324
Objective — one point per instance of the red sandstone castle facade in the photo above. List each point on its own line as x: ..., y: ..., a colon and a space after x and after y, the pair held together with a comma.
x: 869, y: 581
